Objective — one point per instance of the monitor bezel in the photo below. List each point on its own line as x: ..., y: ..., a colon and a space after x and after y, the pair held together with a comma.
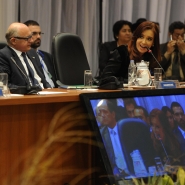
x: 85, y: 99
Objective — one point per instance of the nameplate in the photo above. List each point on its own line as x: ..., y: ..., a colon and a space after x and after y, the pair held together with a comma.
x: 167, y: 84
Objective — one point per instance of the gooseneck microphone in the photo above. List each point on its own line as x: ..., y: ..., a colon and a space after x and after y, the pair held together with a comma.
x: 26, y: 77
x: 160, y: 140
x: 150, y: 51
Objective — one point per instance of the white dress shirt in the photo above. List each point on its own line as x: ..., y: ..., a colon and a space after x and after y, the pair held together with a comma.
x: 119, y: 156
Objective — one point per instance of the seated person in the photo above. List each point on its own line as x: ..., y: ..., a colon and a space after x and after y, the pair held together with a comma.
x: 173, y: 52
x: 145, y: 36
x: 141, y: 113
x: 46, y: 59
x: 122, y: 32
x: 164, y: 141
x: 106, y: 116
x: 169, y: 115
x: 137, y: 23
x: 14, y: 60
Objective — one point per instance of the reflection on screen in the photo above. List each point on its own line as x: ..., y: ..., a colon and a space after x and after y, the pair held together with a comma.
x: 143, y: 136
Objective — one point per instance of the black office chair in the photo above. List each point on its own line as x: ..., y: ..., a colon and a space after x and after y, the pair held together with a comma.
x: 135, y: 135
x: 2, y: 44
x: 70, y: 59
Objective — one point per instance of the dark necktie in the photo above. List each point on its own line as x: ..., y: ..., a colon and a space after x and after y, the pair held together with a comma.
x: 30, y: 70
x: 175, y: 66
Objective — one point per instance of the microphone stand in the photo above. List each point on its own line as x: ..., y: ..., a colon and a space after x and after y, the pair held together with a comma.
x: 158, y: 138
x: 150, y: 51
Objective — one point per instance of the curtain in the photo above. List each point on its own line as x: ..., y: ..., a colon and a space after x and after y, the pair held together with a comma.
x: 163, y: 11
x: 80, y: 17
x: 8, y: 14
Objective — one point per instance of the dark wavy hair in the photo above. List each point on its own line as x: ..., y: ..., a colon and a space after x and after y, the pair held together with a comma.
x: 171, y: 143
x: 135, y: 54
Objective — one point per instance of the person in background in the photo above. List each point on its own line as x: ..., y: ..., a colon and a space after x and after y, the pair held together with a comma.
x: 122, y: 32
x: 21, y: 67
x: 173, y: 52
x: 145, y: 36
x: 164, y: 141
x: 141, y: 113
x: 46, y: 59
x: 169, y: 114
x: 137, y: 23
x: 107, y: 117
x: 129, y: 106
x: 179, y: 131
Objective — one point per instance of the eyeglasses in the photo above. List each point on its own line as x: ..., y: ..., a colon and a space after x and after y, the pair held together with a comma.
x: 37, y: 33
x: 24, y: 38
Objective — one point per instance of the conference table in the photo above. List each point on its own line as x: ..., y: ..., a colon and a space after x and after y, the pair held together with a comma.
x: 46, y: 137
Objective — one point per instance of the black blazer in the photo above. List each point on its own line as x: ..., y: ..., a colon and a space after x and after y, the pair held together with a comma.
x: 15, y: 77
x: 48, y: 60
x: 166, y: 63
x: 110, y: 151
x: 105, y: 54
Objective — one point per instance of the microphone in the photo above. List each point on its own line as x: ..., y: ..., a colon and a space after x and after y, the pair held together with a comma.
x: 26, y: 77
x: 150, y: 51
x: 160, y: 140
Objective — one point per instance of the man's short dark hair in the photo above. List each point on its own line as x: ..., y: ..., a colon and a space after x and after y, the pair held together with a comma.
x: 112, y: 105
x: 31, y: 23
x: 166, y: 109
x: 176, y: 104
x: 144, y: 110
x: 176, y: 25
x: 129, y: 101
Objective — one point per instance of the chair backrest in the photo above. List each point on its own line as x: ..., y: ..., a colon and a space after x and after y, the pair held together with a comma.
x: 69, y: 58
x: 135, y: 135
x: 2, y: 45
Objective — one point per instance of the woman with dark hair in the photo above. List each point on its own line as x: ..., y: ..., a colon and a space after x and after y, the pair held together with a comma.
x: 169, y: 115
x: 122, y: 32
x: 145, y: 36
x: 164, y: 142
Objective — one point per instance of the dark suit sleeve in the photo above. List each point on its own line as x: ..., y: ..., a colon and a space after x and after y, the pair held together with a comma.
x: 105, y: 53
x: 48, y: 59
x: 36, y: 62
x: 117, y: 64
x: 15, y: 77
x: 164, y: 62
x: 4, y: 65
x: 104, y: 56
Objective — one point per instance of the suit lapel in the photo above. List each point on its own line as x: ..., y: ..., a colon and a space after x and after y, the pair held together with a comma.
x: 33, y: 56
x: 15, y: 58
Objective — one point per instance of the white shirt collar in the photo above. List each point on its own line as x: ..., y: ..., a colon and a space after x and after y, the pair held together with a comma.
x: 17, y: 51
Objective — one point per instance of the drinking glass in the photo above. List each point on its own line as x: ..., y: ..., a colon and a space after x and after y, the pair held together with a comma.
x: 157, y: 74
x: 4, y: 84
x: 88, y: 79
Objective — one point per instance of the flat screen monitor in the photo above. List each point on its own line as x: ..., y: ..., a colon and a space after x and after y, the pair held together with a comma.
x: 141, y: 133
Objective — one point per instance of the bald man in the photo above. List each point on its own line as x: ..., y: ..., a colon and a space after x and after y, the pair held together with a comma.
x: 21, y: 67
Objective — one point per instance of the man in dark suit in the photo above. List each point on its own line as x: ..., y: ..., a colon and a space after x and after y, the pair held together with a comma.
x: 46, y: 59
x: 12, y: 61
x: 179, y: 131
x: 106, y: 116
x: 173, y: 52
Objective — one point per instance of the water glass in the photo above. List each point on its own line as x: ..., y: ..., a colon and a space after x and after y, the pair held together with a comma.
x: 157, y: 74
x: 88, y: 79
x: 4, y: 84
